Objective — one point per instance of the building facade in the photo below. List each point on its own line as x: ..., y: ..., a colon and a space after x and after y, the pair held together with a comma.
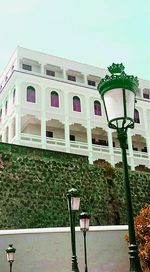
x: 53, y: 103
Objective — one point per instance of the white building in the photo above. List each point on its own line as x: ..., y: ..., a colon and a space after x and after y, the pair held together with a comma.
x: 53, y: 103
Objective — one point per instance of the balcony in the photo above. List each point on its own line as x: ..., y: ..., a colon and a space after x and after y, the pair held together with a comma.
x: 76, y: 147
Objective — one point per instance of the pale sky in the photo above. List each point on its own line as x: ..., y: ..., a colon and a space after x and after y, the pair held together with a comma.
x: 96, y: 32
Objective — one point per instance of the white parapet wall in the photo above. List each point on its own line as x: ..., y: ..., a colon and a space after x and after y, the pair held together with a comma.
x: 49, y: 249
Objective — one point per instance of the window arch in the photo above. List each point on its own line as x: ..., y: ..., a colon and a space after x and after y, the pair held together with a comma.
x: 136, y: 116
x: 76, y: 104
x: 54, y: 99
x: 97, y: 108
x: 30, y: 94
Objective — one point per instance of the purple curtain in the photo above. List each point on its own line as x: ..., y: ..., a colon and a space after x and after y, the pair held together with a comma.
x: 31, y: 95
x: 76, y: 105
x: 97, y: 108
x: 136, y: 116
x: 54, y: 100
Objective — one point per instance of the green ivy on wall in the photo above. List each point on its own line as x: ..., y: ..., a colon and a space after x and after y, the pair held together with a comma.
x: 34, y: 182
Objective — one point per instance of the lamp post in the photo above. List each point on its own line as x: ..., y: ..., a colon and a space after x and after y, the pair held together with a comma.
x: 118, y: 94
x: 84, y: 226
x: 73, y: 205
x: 10, y: 251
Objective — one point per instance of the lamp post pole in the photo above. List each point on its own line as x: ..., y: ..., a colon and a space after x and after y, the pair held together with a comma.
x: 118, y: 93
x: 10, y: 266
x: 133, y: 249
x: 84, y: 226
x: 73, y: 204
x: 85, y: 251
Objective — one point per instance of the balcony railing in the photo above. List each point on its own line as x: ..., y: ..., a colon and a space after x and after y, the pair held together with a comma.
x: 140, y: 154
x: 55, y: 141
x: 76, y: 144
x: 100, y: 148
x: 29, y: 139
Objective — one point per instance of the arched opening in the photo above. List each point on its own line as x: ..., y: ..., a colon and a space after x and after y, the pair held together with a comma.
x: 99, y: 137
x: 99, y: 162
x: 119, y: 165
x: 116, y: 141
x: 78, y: 133
x: 139, y: 143
x: 142, y: 168
x: 30, y: 124
x: 54, y: 129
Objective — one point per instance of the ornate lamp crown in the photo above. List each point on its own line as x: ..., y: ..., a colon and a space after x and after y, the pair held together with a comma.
x: 117, y: 79
x: 116, y: 68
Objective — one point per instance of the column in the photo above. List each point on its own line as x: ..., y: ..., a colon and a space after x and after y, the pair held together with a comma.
x: 43, y: 117
x: 110, y: 144
x: 4, y: 135
x: 18, y: 128
x: 67, y: 128
x: 88, y: 129
x: 147, y: 133
x: 84, y: 79
x: 65, y: 75
x: 42, y: 69
x: 129, y: 142
x: 10, y: 132
x: 18, y: 93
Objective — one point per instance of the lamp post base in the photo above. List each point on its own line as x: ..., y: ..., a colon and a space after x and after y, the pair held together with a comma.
x: 74, y: 264
x: 135, y: 265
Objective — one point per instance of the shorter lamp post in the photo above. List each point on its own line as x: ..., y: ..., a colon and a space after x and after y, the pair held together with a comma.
x: 73, y: 205
x: 84, y: 226
x: 10, y: 251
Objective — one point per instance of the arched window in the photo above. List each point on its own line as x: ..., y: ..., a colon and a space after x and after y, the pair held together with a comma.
x: 54, y: 99
x: 30, y: 94
x: 97, y: 108
x: 136, y: 116
x: 14, y: 95
x: 76, y: 104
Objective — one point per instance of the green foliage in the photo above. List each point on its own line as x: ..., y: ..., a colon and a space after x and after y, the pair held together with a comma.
x: 34, y: 183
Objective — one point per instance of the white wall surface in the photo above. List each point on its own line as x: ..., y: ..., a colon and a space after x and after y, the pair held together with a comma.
x: 49, y: 250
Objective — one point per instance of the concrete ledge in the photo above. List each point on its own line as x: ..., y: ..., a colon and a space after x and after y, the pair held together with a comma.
x: 55, y: 230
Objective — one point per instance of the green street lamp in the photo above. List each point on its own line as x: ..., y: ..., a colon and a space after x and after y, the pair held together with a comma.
x: 10, y: 251
x: 118, y: 92
x: 84, y: 226
x: 73, y: 205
